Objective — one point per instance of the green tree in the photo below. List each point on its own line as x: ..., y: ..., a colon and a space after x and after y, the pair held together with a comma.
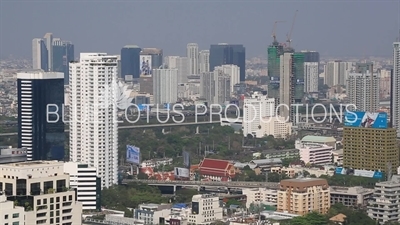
x: 185, y: 195
x: 233, y: 202
x: 310, y: 219
x: 142, y: 176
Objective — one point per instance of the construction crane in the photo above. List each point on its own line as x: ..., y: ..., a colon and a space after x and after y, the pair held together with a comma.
x: 274, y: 30
x: 289, y: 35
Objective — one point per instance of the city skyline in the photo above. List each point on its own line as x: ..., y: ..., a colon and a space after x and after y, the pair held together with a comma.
x: 313, y: 28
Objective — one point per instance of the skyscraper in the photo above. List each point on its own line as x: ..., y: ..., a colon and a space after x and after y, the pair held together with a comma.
x: 233, y: 72
x: 93, y: 121
x: 291, y: 83
x: 193, y: 56
x: 165, y: 86
x: 39, y: 55
x: 48, y: 41
x: 222, y: 54
x: 275, y: 50
x: 130, y: 61
x: 204, y: 61
x: 40, y: 132
x: 182, y: 64
x: 360, y: 89
x: 311, y: 77
x: 395, y: 92
x: 310, y: 56
x: 63, y: 53
x: 336, y: 73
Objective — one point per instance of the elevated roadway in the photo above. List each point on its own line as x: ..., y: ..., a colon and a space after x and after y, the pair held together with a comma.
x: 205, y: 184
x: 144, y: 126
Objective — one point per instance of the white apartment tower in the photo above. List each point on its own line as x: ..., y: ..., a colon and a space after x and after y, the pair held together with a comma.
x: 311, y: 77
x: 93, y: 114
x: 395, y: 92
x: 204, y: 61
x: 359, y: 91
x: 165, y: 86
x: 255, y: 108
x: 193, y: 56
x: 233, y: 72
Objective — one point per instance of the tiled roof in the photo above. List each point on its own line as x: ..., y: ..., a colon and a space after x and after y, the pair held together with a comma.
x: 266, y: 161
x: 214, y: 164
x: 147, y: 170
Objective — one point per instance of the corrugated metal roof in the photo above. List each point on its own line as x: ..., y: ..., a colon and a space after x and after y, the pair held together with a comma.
x: 321, y: 139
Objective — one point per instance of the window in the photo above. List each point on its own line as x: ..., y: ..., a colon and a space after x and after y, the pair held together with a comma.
x: 51, y: 200
x: 6, y: 216
x: 16, y: 215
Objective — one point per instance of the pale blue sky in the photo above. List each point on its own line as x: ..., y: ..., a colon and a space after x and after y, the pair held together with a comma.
x: 336, y: 28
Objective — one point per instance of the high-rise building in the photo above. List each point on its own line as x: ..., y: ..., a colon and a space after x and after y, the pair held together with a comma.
x: 42, y: 188
x: 39, y: 55
x: 224, y: 87
x: 10, y: 213
x: 48, y: 41
x: 310, y: 56
x: 93, y: 124
x: 204, y: 61
x: 156, y: 56
x: 336, y: 72
x: 130, y: 61
x: 208, y: 81
x: 371, y: 149
x: 63, y: 53
x: 291, y: 83
x: 182, y: 65
x: 360, y: 92
x: 255, y: 109
x: 311, y: 77
x: 192, y: 50
x: 384, y: 209
x: 275, y: 51
x: 39, y: 131
x: 165, y: 86
x: 232, y: 71
x: 205, y: 209
x: 395, y: 91
x: 84, y: 180
x: 222, y: 54
x: 304, y: 195
x: 170, y: 61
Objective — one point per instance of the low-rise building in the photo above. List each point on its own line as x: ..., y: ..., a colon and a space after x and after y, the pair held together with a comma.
x: 260, y: 195
x: 266, y: 164
x: 216, y: 170
x: 8, y: 154
x: 384, y: 206
x: 281, y: 153
x: 304, y: 195
x: 152, y: 213
x: 315, y: 154
x: 310, y: 139
x: 337, y: 156
x: 41, y: 187
x: 239, y: 167
x: 293, y: 172
x: 205, y: 209
x: 351, y: 196
x: 156, y: 163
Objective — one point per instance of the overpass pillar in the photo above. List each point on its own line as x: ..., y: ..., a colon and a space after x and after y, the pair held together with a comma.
x: 174, y: 189
x: 229, y: 191
x: 197, y: 130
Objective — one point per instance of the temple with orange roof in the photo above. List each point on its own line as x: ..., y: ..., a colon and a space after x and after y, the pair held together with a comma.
x: 216, y: 170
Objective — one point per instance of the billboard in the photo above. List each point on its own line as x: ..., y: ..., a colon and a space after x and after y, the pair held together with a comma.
x: 133, y: 154
x: 300, y: 81
x: 181, y: 172
x: 186, y: 159
x: 145, y: 65
x: 366, y: 119
x: 274, y: 81
x: 360, y: 173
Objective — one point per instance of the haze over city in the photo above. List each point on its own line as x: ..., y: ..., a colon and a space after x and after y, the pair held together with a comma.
x: 334, y: 28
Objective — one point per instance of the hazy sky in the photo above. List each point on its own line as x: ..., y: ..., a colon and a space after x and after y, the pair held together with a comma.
x: 336, y: 28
